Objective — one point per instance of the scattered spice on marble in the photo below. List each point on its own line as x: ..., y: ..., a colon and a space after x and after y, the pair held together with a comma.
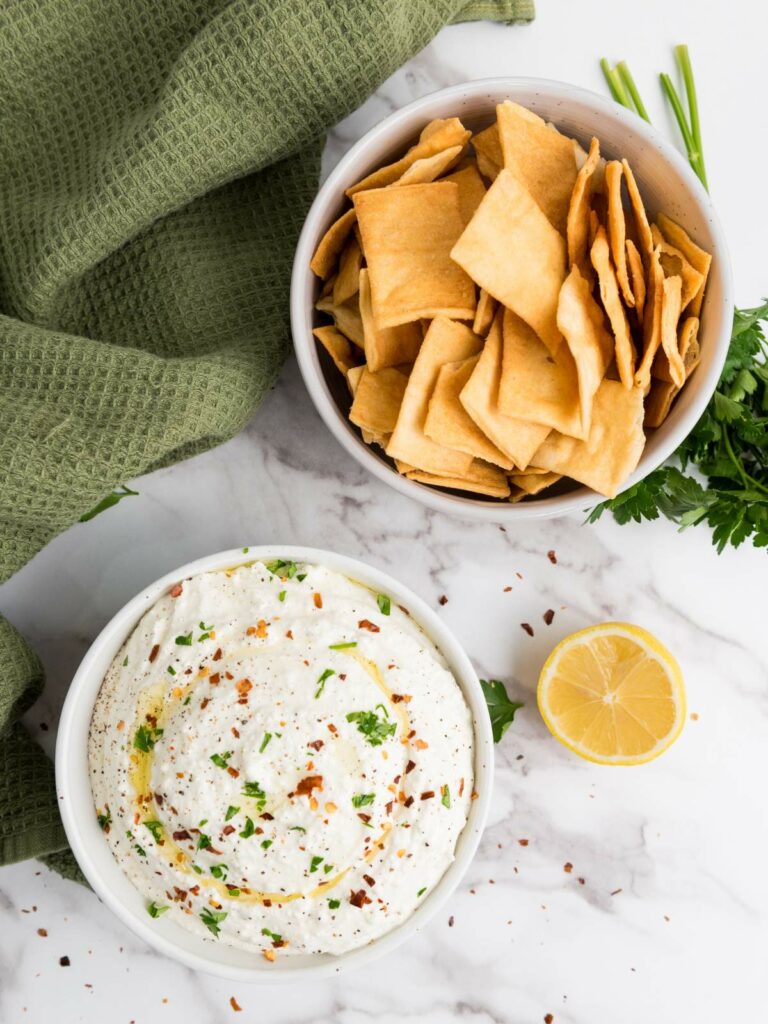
x: 548, y: 1018
x: 548, y: 616
x: 235, y: 1005
x: 616, y: 892
x: 523, y: 842
x: 527, y: 627
x: 63, y: 961
x: 567, y: 867
x: 42, y: 932
x: 450, y: 921
x: 694, y: 716
x: 443, y: 599
x: 552, y: 556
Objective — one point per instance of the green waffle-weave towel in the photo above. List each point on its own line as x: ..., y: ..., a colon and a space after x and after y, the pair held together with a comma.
x: 157, y: 158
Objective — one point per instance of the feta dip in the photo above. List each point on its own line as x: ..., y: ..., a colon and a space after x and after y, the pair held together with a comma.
x: 281, y: 759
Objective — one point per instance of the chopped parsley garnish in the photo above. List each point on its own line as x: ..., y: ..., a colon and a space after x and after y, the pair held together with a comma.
x: 233, y: 891
x: 315, y: 864
x: 384, y: 709
x: 375, y: 729
x: 363, y: 799
x: 187, y: 699
x: 249, y: 829
x: 171, y: 670
x: 197, y: 870
x: 156, y: 828
x: 125, y: 661
x: 297, y: 828
x: 281, y: 595
x: 254, y: 790
x: 265, y: 741
x: 446, y: 801
x: 500, y: 707
x: 140, y: 850
x: 206, y: 632
x: 212, y: 919
x: 203, y: 821
x: 220, y: 760
x: 301, y: 577
x: 266, y: 843
x: 105, y: 819
x: 246, y: 550
x: 327, y: 868
x: 155, y: 909
x: 285, y: 570
x: 185, y: 640
x: 272, y: 935
x: 203, y: 841
x: 322, y: 680
x: 231, y: 812
x: 342, y: 646
x: 384, y: 603
x: 334, y: 904
x: 219, y: 871
x: 146, y: 737
x: 421, y: 892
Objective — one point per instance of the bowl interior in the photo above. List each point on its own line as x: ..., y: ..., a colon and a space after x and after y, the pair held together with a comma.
x: 90, y: 846
x: 667, y: 184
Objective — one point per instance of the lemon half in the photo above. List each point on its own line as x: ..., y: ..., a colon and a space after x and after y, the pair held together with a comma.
x: 612, y: 694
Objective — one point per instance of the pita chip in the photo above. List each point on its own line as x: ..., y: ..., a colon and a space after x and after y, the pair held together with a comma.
x: 579, y: 208
x: 386, y: 346
x: 674, y: 263
x: 337, y: 346
x: 330, y: 245
x: 697, y: 257
x: 485, y: 312
x: 346, y: 317
x: 377, y: 400
x: 346, y: 283
x: 617, y: 229
x: 636, y: 277
x: 481, y: 477
x: 487, y: 146
x: 651, y: 322
x: 612, y: 304
x: 471, y: 189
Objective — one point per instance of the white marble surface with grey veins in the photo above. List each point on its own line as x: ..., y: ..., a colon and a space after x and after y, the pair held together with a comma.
x: 663, y: 916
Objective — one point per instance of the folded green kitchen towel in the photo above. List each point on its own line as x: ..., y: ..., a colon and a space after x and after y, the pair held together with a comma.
x: 156, y: 162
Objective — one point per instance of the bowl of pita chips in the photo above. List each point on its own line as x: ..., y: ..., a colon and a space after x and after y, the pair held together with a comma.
x: 511, y: 298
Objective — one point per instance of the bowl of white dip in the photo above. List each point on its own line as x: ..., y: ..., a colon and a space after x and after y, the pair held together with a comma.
x: 274, y: 762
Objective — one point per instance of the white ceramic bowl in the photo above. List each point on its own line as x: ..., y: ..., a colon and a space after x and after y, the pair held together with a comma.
x: 95, y: 857
x: 667, y: 183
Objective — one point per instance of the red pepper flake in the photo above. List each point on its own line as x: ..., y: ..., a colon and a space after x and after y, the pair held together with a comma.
x: 228, y: 830
x: 507, y: 589
x: 364, y: 817
x: 548, y: 1018
x: 582, y: 881
x: 289, y: 634
x: 408, y: 802
x: 358, y: 899
x: 195, y: 890
x: 233, y: 772
x: 523, y: 842
x: 306, y: 785
x: 215, y: 679
x: 427, y: 794
x: 548, y: 616
x: 616, y: 892
x: 250, y: 631
x: 154, y: 652
x: 261, y: 629
x: 316, y: 744
x: 552, y: 557
x: 235, y: 1005
x: 519, y: 575
x: 204, y: 703
x: 63, y: 961
x: 217, y: 655
x: 317, y: 597
x: 388, y: 807
x: 236, y: 732
x: 332, y: 727
x: 343, y: 676
x: 527, y: 627
x: 176, y: 591
x: 567, y: 867
x: 244, y: 686
x: 42, y: 933
x: 158, y: 799
x: 450, y: 921
x: 180, y: 835
x: 370, y: 626
x: 442, y: 599
x: 409, y: 767
x: 180, y: 894
x: 369, y: 881
x: 461, y: 786
x: 229, y: 676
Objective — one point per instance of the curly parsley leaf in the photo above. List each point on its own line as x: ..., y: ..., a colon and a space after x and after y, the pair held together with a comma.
x: 375, y: 729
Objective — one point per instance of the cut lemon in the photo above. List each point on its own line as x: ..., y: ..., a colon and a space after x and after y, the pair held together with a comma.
x: 612, y: 694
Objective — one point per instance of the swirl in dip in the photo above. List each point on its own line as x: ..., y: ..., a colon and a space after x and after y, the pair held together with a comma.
x: 281, y: 759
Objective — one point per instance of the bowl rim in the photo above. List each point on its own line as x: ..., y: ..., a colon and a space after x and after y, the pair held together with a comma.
x: 331, y: 191
x: 72, y: 767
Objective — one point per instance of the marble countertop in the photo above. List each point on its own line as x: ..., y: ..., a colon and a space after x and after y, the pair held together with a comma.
x: 664, y: 915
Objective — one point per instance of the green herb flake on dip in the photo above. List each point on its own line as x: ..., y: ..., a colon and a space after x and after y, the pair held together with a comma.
x: 333, y: 844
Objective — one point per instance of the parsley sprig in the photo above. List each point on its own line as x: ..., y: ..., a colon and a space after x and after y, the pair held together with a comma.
x: 375, y: 729
x: 500, y: 707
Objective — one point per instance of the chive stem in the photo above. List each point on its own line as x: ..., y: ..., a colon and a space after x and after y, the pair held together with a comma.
x: 629, y: 83
x: 686, y: 69
x: 615, y: 84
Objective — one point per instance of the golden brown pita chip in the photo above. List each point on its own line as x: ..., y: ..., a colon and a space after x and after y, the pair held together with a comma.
x: 535, y: 386
x: 353, y: 378
x: 430, y: 167
x: 617, y: 229
x: 448, y: 422
x: 636, y: 277
x: 487, y: 146
x: 337, y: 347
x: 446, y: 342
x: 481, y: 478
x: 651, y: 322
x: 698, y: 258
x: 378, y: 398
x: 609, y: 293
x: 612, y: 450
x: 511, y: 249
x: 386, y: 346
x: 687, y: 346
x: 542, y: 158
x: 485, y: 312
x: 582, y: 324
x: 408, y: 234
x: 437, y: 136
x: 331, y: 244
x: 638, y: 211
x: 579, y: 209
x: 518, y: 439
x: 471, y: 189
x: 347, y: 279
x: 526, y: 484
x: 670, y: 315
x: 674, y: 263
x: 658, y: 402
x: 346, y: 317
